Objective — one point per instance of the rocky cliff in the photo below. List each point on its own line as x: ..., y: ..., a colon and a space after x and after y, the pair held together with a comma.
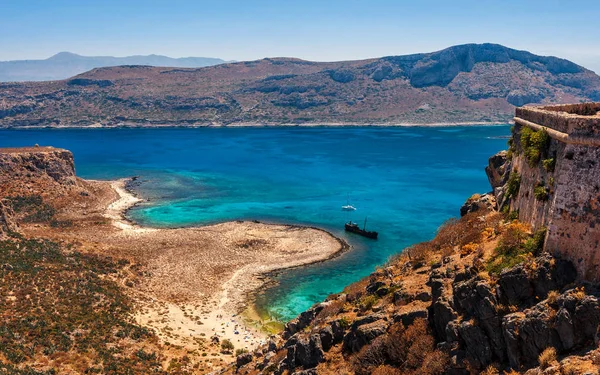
x: 467, y: 83
x: 494, y: 292
x: 37, y: 183
x: 447, y: 307
x: 32, y: 162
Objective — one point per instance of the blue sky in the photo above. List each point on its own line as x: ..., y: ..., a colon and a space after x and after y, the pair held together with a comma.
x: 315, y: 30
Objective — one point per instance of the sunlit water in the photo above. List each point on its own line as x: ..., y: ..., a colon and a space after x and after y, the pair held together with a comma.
x: 407, y: 181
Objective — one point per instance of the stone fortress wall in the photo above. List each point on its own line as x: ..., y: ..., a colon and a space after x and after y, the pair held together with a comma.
x: 571, y: 211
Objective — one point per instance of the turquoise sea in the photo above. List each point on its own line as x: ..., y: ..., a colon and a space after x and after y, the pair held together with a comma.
x: 407, y: 181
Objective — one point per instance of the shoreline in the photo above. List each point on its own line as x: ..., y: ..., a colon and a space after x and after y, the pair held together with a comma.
x: 225, y: 312
x: 263, y: 125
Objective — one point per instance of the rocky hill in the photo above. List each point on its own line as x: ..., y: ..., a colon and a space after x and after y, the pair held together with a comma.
x: 467, y: 83
x: 65, y: 64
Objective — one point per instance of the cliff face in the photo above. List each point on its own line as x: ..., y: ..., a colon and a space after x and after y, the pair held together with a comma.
x: 31, y: 162
x: 556, y: 179
x: 37, y: 182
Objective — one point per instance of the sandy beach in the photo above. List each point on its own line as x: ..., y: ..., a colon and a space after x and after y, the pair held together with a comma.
x: 198, y: 280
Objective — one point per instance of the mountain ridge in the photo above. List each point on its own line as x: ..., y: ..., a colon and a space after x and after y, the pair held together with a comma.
x: 48, y: 70
x: 472, y: 83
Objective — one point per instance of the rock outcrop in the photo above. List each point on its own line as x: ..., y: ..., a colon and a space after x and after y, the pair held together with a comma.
x: 35, y: 161
x: 7, y: 222
x: 475, y: 321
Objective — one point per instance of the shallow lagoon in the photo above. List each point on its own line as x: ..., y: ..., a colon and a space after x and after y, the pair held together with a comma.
x: 407, y: 181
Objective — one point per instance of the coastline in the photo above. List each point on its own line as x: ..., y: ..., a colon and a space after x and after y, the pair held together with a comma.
x: 97, y: 126
x: 224, y: 313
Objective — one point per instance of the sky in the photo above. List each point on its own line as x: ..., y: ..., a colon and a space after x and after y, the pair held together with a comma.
x: 320, y: 30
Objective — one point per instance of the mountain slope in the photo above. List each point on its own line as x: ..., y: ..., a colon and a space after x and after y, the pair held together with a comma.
x: 467, y: 83
x: 65, y: 64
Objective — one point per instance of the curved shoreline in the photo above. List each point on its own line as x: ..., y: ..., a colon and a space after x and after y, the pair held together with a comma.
x: 236, y: 293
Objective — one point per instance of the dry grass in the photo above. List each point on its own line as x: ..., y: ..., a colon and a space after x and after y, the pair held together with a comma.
x: 579, y: 293
x: 386, y: 370
x: 547, y: 358
x: 490, y: 370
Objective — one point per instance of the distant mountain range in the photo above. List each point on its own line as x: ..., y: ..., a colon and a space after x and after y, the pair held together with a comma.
x: 65, y: 64
x: 473, y: 83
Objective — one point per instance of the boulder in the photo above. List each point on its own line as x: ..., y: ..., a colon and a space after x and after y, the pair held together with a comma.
x: 550, y: 274
x: 338, y: 331
x: 374, y: 286
x: 243, y: 359
x: 475, y: 298
x: 363, y: 334
x: 440, y: 314
x: 304, y: 351
x: 514, y: 287
x: 407, y: 318
x: 302, y: 321
x: 423, y: 296
x: 479, y: 203
x: 510, y: 333
x: 367, y: 319
x: 564, y: 328
x: 309, y: 351
x: 497, y: 169
x: 477, y: 345
x: 402, y: 298
x: 326, y: 335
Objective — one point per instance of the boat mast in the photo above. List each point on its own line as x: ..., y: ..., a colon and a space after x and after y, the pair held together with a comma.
x: 365, y: 225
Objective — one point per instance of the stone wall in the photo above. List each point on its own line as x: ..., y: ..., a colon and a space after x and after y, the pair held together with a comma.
x: 572, y: 211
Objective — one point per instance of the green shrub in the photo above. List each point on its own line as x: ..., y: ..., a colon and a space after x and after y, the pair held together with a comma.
x: 549, y: 164
x: 33, y: 208
x: 227, y: 345
x: 511, y: 249
x: 513, y: 185
x: 534, y: 144
x: 240, y: 352
x: 367, y: 302
x: 344, y: 322
x: 535, y: 244
x: 512, y: 215
x: 541, y: 192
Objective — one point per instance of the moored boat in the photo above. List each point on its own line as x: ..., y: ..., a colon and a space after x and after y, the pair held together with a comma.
x: 354, y: 228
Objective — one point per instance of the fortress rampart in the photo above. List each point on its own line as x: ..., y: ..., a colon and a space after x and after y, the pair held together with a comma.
x: 560, y: 186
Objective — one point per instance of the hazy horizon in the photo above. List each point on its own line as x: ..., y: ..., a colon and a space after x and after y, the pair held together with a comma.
x: 311, y: 30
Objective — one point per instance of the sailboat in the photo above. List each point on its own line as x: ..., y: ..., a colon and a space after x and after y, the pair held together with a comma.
x: 348, y: 206
x: 354, y: 228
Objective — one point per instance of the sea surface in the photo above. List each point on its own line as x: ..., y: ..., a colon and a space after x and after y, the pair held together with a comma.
x: 406, y: 181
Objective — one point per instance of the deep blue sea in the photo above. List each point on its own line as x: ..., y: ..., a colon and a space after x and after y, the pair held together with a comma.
x: 407, y: 181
